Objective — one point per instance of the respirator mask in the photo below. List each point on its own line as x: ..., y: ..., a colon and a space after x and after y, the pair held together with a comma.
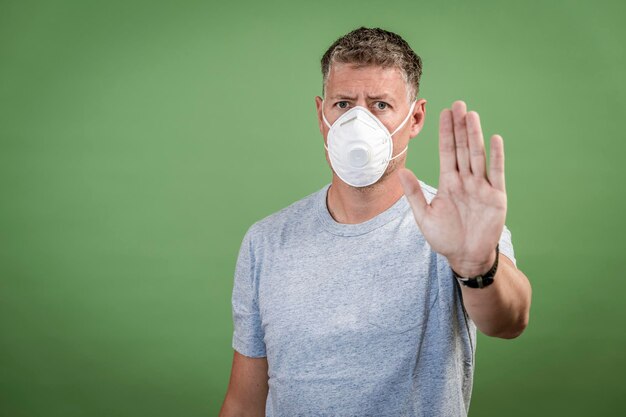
x: 360, y: 146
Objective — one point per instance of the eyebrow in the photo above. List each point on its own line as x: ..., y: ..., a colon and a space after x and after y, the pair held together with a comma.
x: 376, y: 97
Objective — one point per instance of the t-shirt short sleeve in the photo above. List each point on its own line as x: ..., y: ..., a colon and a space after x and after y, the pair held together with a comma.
x: 247, y: 330
x: 506, y: 246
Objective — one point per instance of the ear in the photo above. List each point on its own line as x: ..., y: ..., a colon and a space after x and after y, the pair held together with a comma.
x: 417, y: 119
x: 320, y: 120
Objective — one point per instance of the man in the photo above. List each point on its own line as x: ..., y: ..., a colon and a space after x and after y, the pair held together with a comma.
x: 363, y: 298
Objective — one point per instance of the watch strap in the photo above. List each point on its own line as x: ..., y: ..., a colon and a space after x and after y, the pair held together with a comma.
x: 480, y: 281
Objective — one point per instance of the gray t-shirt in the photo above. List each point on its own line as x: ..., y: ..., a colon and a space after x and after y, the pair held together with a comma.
x: 354, y: 319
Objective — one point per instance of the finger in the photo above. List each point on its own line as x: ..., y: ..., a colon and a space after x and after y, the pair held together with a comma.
x: 447, y: 150
x: 460, y: 136
x: 476, y: 145
x: 414, y: 194
x: 496, y: 163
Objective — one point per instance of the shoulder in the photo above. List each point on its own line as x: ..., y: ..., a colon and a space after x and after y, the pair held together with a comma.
x: 295, y: 215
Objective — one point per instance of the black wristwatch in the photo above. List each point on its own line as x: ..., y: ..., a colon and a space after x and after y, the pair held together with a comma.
x: 480, y: 281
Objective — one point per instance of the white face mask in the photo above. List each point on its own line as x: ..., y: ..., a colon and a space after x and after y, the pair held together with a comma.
x: 360, y: 146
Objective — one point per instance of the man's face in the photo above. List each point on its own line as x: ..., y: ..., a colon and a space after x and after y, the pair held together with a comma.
x: 382, y: 91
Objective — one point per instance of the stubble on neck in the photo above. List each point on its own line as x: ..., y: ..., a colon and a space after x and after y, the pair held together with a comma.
x: 353, y: 205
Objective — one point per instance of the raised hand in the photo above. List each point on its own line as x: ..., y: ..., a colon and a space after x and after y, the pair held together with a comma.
x: 465, y: 219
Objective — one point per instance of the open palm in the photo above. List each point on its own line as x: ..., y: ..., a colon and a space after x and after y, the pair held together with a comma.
x: 465, y: 219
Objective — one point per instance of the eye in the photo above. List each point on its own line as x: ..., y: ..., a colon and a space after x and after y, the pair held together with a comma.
x: 381, y: 105
x: 342, y: 104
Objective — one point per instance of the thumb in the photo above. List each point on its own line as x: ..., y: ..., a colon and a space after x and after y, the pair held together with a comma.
x: 414, y: 194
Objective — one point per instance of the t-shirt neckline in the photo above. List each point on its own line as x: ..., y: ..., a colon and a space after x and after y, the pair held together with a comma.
x: 343, y: 229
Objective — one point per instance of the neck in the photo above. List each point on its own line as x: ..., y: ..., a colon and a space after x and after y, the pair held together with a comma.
x: 351, y: 205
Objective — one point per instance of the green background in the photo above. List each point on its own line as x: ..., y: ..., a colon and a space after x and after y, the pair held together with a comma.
x: 140, y: 140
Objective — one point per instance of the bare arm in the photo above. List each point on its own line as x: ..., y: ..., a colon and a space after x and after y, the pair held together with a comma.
x: 247, y: 389
x: 501, y: 309
x: 465, y: 220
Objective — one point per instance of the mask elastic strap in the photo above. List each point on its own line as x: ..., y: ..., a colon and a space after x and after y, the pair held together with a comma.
x: 324, y: 117
x: 399, y: 127
x: 325, y: 121
x: 405, y: 119
x: 405, y: 148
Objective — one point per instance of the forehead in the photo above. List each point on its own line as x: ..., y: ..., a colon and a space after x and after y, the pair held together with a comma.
x: 349, y: 80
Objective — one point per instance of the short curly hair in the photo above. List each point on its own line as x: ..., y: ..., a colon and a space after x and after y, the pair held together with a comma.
x: 374, y: 46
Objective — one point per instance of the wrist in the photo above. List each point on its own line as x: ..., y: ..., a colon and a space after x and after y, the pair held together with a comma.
x: 480, y: 280
x: 471, y: 268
